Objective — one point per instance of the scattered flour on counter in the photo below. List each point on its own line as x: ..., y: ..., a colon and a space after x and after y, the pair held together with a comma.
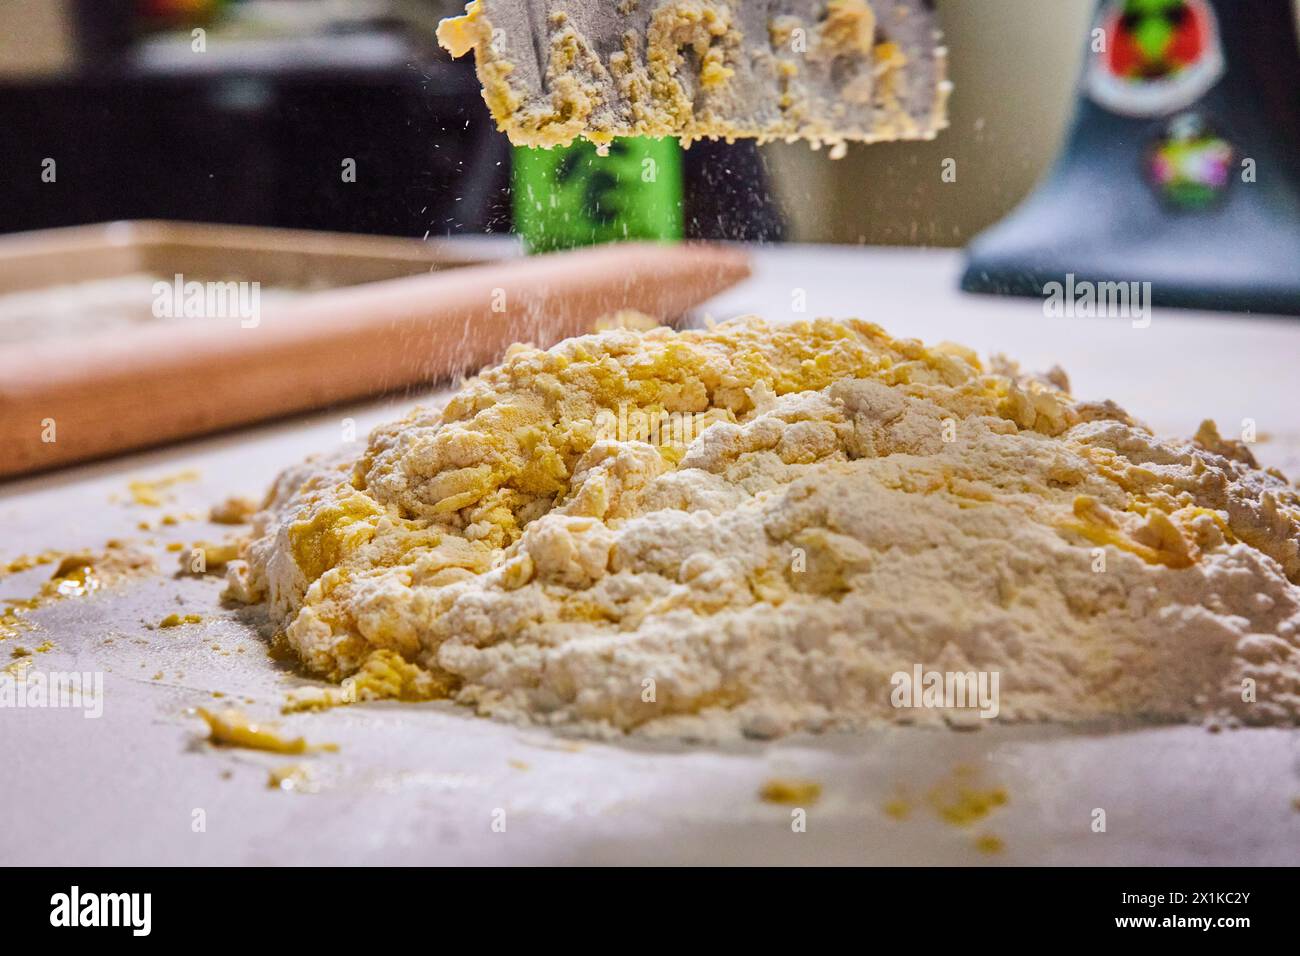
x: 749, y: 529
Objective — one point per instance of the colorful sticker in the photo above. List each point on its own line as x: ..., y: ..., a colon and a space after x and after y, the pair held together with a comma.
x: 1191, y: 164
x: 1154, y: 57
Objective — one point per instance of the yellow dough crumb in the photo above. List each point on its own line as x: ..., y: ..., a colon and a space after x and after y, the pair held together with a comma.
x: 793, y: 792
x: 898, y: 809
x: 177, y: 620
x: 234, y: 510
x: 233, y: 728
x: 966, y: 805
x: 28, y: 561
x: 153, y: 492
x: 988, y: 843
x: 205, y: 556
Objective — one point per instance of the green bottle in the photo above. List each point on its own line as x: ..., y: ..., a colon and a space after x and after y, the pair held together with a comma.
x: 570, y: 196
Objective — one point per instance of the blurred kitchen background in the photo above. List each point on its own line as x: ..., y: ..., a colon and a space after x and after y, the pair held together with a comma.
x: 253, y: 130
x: 320, y: 117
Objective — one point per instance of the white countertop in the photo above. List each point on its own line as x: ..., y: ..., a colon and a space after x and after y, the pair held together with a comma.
x: 421, y: 783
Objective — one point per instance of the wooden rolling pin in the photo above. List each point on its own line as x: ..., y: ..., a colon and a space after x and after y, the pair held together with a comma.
x: 174, y: 378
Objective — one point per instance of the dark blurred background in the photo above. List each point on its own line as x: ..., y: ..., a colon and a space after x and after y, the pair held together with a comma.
x: 250, y: 122
x: 254, y: 129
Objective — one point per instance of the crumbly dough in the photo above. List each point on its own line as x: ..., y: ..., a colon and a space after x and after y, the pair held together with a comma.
x: 749, y: 529
x: 233, y: 728
x: 234, y: 510
x: 827, y: 71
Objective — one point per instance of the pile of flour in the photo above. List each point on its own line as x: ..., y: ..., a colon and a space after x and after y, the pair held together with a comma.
x: 754, y: 529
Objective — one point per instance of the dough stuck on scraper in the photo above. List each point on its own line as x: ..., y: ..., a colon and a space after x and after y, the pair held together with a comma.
x: 827, y: 71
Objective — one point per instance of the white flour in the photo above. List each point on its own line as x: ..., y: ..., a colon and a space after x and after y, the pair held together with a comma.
x: 854, y: 507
